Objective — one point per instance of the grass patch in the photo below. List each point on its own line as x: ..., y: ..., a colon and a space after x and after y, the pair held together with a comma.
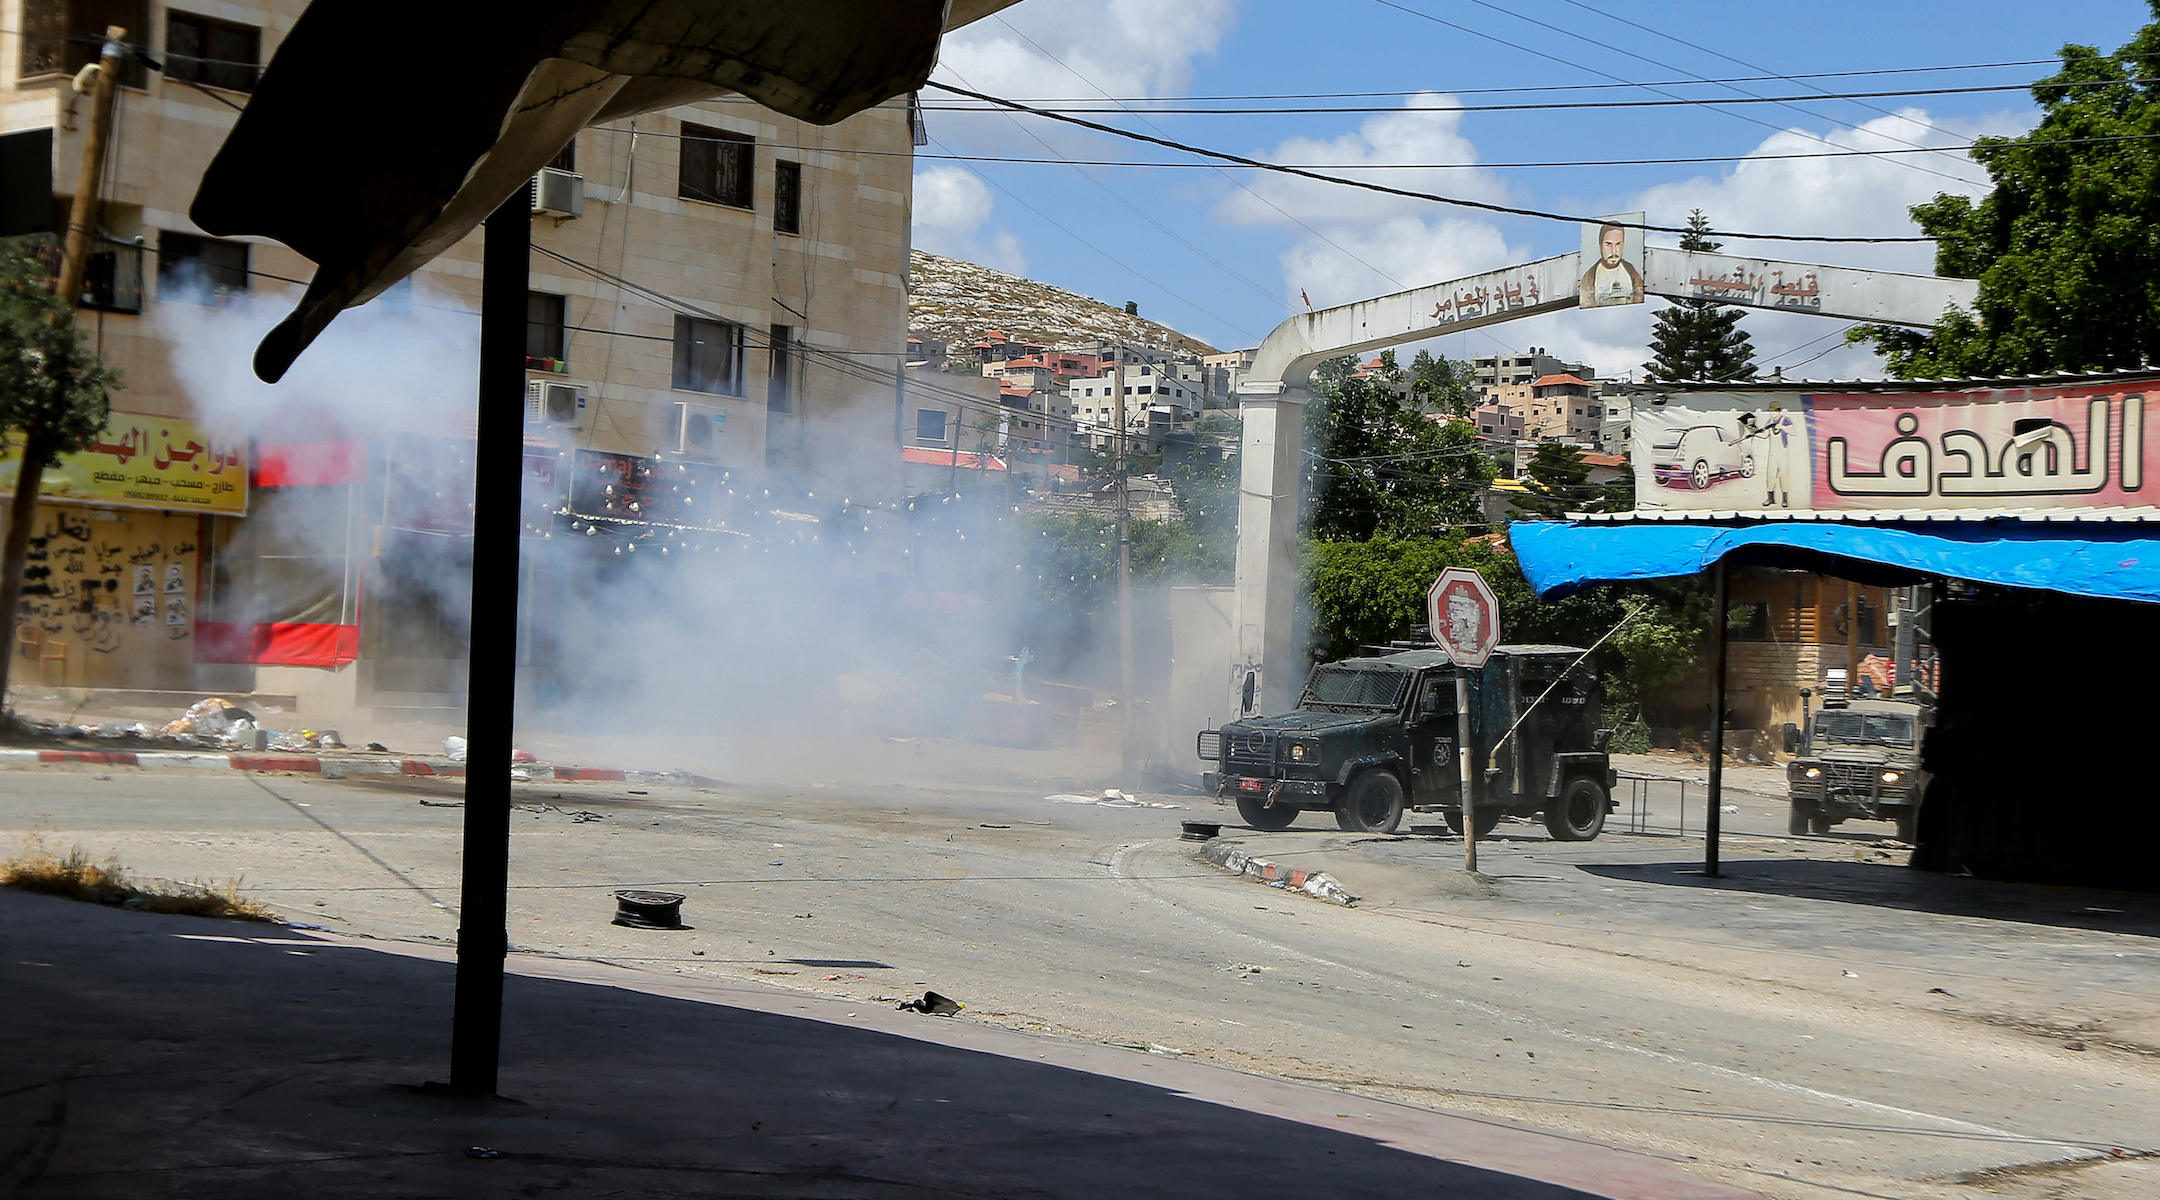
x: 39, y: 868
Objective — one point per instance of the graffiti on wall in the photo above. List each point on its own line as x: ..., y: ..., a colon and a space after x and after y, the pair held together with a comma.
x: 107, y: 597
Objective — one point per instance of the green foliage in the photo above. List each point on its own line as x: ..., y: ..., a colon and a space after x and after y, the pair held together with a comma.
x: 1075, y: 558
x: 1695, y: 339
x: 1378, y: 466
x: 2063, y: 247
x: 1372, y: 593
x: 1557, y: 482
x: 1442, y: 385
x: 53, y: 387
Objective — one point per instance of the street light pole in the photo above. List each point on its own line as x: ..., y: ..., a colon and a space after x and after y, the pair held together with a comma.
x: 491, y: 682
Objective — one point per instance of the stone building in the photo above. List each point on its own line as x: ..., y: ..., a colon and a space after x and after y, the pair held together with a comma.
x: 718, y: 302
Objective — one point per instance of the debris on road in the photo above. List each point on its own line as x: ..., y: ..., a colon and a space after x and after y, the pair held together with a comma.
x: 636, y: 909
x: 933, y: 1005
x: 454, y: 748
x: 1317, y: 884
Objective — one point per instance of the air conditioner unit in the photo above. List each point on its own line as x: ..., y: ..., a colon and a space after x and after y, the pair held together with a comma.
x: 558, y: 193
x: 695, y: 432
x: 551, y: 405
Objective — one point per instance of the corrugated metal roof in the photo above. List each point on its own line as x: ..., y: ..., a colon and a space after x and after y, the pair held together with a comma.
x: 1895, y: 385
x: 1937, y: 516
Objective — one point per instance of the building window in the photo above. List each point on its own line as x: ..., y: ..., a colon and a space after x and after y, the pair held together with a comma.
x: 546, y: 333
x: 214, y: 53
x: 780, y: 387
x: 566, y: 158
x: 1748, y: 621
x: 64, y: 36
x: 787, y: 197
x: 716, y: 166
x: 708, y: 356
x: 200, y: 270
x: 930, y: 425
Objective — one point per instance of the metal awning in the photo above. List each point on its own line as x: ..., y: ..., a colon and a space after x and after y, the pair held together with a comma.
x: 2111, y: 559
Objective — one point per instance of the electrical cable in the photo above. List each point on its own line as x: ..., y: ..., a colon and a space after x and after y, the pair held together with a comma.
x: 1543, y: 57
x: 1458, y: 202
x: 1682, y: 102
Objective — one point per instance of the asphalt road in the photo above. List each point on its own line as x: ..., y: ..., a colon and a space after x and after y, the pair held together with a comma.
x: 1778, y: 1027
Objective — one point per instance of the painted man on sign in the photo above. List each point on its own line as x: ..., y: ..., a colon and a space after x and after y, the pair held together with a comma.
x: 1612, y: 278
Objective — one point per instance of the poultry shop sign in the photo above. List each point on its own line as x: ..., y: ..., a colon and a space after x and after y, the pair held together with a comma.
x: 2083, y: 446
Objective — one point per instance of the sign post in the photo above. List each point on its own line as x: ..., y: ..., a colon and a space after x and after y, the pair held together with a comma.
x: 1464, y: 617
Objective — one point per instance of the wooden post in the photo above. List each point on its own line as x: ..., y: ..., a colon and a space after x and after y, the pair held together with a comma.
x: 491, y: 663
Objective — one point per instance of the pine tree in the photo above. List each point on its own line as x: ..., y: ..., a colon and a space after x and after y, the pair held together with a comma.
x: 1695, y: 339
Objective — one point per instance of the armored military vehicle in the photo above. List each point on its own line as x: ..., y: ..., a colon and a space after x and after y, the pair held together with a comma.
x: 1371, y: 737
x: 1857, y: 759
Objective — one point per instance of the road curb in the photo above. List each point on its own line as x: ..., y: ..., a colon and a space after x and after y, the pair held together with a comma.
x: 336, y: 768
x: 1317, y: 884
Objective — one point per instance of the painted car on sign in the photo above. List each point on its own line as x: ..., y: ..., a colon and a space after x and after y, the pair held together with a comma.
x: 1700, y: 455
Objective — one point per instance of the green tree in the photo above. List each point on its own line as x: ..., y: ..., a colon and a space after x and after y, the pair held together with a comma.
x: 1695, y: 339
x: 53, y: 399
x: 2063, y: 247
x: 1443, y: 385
x: 1556, y: 482
x: 1378, y: 465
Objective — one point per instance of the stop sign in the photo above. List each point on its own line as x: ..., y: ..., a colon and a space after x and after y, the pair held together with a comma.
x: 1464, y: 616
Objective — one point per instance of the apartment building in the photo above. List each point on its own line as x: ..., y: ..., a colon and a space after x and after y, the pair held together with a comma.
x: 718, y: 297
x: 1493, y: 372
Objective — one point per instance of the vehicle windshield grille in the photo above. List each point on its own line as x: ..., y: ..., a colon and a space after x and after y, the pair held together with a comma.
x: 1338, y: 687
x: 1868, y: 729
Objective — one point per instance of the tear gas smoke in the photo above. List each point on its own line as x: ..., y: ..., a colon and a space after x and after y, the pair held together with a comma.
x: 803, y: 627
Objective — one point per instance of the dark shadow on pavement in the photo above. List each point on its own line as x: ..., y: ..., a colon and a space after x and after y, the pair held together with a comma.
x: 150, y: 1056
x: 1886, y: 886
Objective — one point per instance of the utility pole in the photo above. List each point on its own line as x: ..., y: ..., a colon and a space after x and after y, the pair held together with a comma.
x: 90, y: 177
x: 1852, y: 639
x: 74, y: 264
x: 1129, y: 759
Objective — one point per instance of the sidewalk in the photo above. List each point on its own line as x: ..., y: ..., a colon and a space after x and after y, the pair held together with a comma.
x: 157, y: 1056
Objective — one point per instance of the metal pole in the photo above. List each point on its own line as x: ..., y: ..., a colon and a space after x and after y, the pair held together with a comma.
x: 491, y: 687
x: 1462, y: 756
x: 1128, y: 740
x: 1717, y: 719
x: 1852, y: 639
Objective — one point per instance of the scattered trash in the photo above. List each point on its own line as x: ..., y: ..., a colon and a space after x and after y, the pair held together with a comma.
x: 832, y: 978
x: 2073, y: 1045
x: 1939, y: 992
x: 454, y: 747
x: 1723, y: 808
x: 481, y: 1152
x: 635, y: 792
x: 517, y: 776
x: 1200, y: 831
x: 378, y: 747
x: 443, y: 803
x: 776, y: 862
x: 1154, y: 1048
x: 996, y: 827
x: 648, y: 910
x: 328, y: 739
x: 1852, y: 975
x: 933, y: 1005
x: 698, y: 952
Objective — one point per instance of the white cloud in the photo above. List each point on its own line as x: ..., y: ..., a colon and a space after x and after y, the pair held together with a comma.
x: 1388, y: 140
x: 952, y: 206
x: 1057, y: 48
x: 1413, y: 251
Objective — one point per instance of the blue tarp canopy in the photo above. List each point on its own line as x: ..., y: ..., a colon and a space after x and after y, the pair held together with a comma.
x: 2107, y: 561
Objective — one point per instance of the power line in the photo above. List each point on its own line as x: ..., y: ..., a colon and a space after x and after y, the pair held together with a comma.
x: 1680, y: 102
x: 1425, y: 16
x: 1586, y: 87
x: 1406, y: 193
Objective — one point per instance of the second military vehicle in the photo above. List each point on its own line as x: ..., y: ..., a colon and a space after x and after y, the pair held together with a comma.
x: 1857, y: 759
x: 1372, y: 737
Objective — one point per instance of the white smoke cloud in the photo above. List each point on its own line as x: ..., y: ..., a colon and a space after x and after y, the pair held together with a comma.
x: 952, y: 207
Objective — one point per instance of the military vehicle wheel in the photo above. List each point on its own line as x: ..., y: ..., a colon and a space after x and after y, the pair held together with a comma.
x: 1820, y: 825
x: 1797, y: 821
x: 1374, y: 803
x: 1908, y: 825
x: 1579, y: 814
x: 1488, y: 819
x: 1268, y: 818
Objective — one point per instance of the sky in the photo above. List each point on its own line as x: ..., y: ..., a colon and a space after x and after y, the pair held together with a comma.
x: 1225, y: 254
